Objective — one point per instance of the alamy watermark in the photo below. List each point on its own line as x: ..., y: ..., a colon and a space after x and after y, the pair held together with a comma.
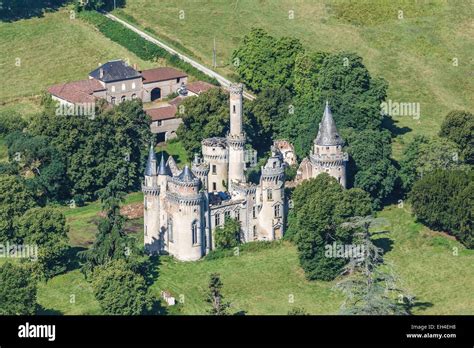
x: 344, y: 251
x: 24, y: 251
x: 78, y: 109
x: 394, y: 108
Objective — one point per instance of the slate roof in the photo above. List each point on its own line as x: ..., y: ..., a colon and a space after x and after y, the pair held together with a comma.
x: 327, y: 133
x: 161, y: 74
x: 151, y: 162
x: 163, y: 169
x: 115, y: 70
x: 186, y: 175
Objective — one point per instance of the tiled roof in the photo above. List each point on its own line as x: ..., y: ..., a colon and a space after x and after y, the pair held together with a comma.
x: 161, y: 74
x: 114, y: 70
x: 77, y: 91
x: 198, y: 87
x: 163, y: 113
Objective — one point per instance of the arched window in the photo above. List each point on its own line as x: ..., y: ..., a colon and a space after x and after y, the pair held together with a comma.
x: 217, y: 218
x: 269, y: 194
x: 134, y: 96
x: 123, y: 98
x: 194, y: 231
x: 170, y: 230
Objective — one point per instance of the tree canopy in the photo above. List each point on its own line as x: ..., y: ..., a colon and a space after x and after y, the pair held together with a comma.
x: 17, y: 290
x: 458, y: 127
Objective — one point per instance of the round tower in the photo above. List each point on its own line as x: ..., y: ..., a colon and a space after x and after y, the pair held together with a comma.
x: 236, y: 137
x: 272, y: 198
x: 201, y: 170
x: 186, y: 227
x: 151, y: 204
x: 215, y: 153
x: 327, y: 155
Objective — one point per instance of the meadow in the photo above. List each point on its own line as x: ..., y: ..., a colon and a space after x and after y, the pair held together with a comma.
x: 40, y: 52
x: 425, y: 55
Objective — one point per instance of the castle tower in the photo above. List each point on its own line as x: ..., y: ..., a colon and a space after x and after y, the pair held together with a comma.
x: 327, y: 155
x: 271, y: 195
x: 186, y: 216
x: 216, y: 154
x: 236, y: 137
x: 151, y: 204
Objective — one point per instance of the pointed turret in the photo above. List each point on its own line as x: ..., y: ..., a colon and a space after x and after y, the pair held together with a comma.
x: 151, y: 163
x: 327, y: 133
x: 163, y: 168
x: 187, y: 175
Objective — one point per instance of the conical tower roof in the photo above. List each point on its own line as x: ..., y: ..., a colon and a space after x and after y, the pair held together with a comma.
x: 327, y: 133
x: 163, y: 169
x: 151, y: 162
x: 186, y: 175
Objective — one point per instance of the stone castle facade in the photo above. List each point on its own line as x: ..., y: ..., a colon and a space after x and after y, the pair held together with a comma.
x: 182, y: 209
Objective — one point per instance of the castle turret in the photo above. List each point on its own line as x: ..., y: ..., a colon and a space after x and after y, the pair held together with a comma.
x: 216, y: 154
x: 327, y: 155
x: 271, y: 197
x: 151, y: 203
x: 186, y: 216
x: 236, y: 137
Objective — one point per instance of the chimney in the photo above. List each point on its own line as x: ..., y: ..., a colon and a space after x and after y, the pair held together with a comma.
x: 101, y: 73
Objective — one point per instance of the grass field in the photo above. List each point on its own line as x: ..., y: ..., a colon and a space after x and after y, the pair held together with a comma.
x: 414, y: 54
x: 52, y: 49
x: 265, y: 281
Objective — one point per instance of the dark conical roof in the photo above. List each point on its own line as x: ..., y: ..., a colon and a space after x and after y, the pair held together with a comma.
x: 327, y: 133
x: 151, y: 162
x: 163, y: 169
x: 186, y: 175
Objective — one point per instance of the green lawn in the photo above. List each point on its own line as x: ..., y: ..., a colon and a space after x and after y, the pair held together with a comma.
x: 415, y: 54
x: 52, y: 49
x: 174, y: 148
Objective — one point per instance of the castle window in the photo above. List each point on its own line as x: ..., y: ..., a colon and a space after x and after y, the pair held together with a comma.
x: 159, y: 123
x: 113, y: 89
x: 170, y: 230
x: 178, y: 79
x: 254, y: 232
x: 217, y: 218
x: 276, y: 210
x: 214, y: 186
x: 339, y: 178
x: 327, y: 147
x: 269, y: 195
x: 237, y: 215
x: 226, y: 215
x: 274, y: 164
x: 254, y: 212
x: 146, y: 230
x: 133, y: 85
x: 214, y: 169
x: 194, y: 229
x: 123, y: 87
x: 233, y: 109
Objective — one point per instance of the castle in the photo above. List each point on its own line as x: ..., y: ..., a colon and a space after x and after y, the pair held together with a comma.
x: 182, y: 209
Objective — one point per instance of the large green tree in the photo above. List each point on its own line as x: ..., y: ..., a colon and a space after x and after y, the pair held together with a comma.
x: 45, y: 228
x: 17, y: 290
x: 320, y: 206
x: 120, y: 290
x: 15, y: 199
x: 227, y: 236
x: 203, y: 117
x: 443, y: 200
x: 458, y: 127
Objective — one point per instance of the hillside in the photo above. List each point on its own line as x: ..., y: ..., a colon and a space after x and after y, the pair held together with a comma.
x: 414, y: 54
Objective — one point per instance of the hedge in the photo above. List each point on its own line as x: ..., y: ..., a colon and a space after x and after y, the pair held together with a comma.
x: 138, y: 45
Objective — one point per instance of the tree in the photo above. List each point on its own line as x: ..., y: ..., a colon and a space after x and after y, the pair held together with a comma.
x: 265, y: 62
x: 15, y: 199
x: 320, y: 206
x: 96, y: 148
x: 371, y: 167
x: 458, y: 127
x: 228, y: 236
x: 46, y: 228
x: 17, y: 290
x: 40, y: 163
x: 369, y: 288
x: 120, y: 290
x: 16, y: 9
x: 203, y: 117
x: 11, y: 122
x: 442, y: 200
x: 215, y: 297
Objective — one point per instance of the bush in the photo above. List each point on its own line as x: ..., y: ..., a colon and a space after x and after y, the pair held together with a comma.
x: 442, y: 200
x: 11, y: 122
